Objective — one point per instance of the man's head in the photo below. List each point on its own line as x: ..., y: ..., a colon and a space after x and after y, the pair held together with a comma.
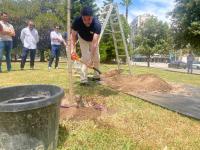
x: 56, y: 27
x: 4, y: 16
x: 31, y: 24
x: 87, y: 15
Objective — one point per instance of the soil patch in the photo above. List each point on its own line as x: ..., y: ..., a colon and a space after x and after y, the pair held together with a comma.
x: 111, y: 73
x: 136, y: 83
x: 83, y: 113
x: 85, y: 108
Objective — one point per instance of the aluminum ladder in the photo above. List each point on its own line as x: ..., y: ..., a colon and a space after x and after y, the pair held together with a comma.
x: 110, y: 16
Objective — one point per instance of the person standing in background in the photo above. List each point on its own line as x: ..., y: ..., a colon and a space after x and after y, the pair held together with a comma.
x: 29, y: 37
x: 6, y: 42
x: 56, y: 41
x: 190, y: 59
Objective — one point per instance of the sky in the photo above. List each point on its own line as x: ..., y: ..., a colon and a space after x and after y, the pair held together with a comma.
x: 159, y: 8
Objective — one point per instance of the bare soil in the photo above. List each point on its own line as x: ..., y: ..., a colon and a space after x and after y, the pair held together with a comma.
x: 85, y: 108
x: 93, y: 107
x: 136, y: 83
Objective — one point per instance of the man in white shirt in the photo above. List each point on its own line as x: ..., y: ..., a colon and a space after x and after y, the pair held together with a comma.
x: 6, y: 33
x: 56, y: 41
x: 29, y: 37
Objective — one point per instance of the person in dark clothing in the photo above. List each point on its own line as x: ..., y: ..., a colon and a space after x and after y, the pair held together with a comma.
x: 88, y: 29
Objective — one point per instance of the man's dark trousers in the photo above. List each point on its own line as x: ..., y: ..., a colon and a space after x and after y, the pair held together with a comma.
x: 25, y: 52
x: 55, y: 53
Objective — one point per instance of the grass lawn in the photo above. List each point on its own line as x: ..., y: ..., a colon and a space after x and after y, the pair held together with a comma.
x: 132, y: 123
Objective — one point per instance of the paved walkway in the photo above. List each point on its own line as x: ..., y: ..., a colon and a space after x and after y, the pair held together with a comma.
x: 186, y: 104
x: 164, y: 66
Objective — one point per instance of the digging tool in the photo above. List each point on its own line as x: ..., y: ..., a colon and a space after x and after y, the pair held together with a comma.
x: 74, y: 56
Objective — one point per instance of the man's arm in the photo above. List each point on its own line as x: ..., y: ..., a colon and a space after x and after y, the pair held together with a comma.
x: 63, y: 41
x: 73, y: 40
x: 37, y: 36
x: 94, y: 45
x: 10, y: 32
x: 22, y: 36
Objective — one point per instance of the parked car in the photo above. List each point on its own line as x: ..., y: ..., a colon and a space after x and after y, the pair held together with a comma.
x: 196, y: 65
x: 177, y: 65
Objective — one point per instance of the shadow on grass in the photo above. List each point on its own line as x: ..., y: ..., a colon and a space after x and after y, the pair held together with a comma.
x: 94, y: 88
x: 26, y: 69
x: 63, y: 135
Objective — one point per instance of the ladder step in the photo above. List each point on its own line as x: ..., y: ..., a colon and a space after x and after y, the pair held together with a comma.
x: 104, y: 13
x: 115, y: 23
x: 120, y: 48
x: 119, y: 40
x: 122, y: 55
x: 107, y: 33
x: 108, y: 30
x: 117, y: 32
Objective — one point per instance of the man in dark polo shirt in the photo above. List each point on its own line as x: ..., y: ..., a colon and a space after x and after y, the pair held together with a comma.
x: 88, y: 29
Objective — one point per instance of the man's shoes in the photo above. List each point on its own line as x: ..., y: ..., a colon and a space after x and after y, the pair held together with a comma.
x: 49, y: 68
x: 96, y: 79
x: 84, y: 83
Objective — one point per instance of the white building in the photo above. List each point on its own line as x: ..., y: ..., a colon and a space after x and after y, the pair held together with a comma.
x: 137, y: 23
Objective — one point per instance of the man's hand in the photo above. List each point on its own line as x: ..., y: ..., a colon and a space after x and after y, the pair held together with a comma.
x: 74, y: 56
x: 8, y: 32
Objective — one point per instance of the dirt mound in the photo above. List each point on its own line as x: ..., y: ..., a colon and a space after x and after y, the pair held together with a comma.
x: 111, y: 73
x: 138, y: 83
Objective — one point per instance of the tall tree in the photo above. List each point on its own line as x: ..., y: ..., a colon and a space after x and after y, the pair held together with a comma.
x: 186, y: 24
x: 153, y: 37
x: 127, y: 4
x: 45, y: 13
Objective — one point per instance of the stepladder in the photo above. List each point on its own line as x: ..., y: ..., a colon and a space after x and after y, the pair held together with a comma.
x: 112, y: 24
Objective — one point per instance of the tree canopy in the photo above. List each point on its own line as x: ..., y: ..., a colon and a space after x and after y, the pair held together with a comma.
x: 186, y: 24
x: 153, y: 37
x: 127, y: 4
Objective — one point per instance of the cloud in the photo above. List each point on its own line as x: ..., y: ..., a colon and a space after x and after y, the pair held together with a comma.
x: 99, y: 3
x: 159, y: 8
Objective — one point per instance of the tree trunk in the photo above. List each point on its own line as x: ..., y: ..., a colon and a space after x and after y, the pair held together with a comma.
x: 42, y: 58
x: 127, y: 13
x: 148, y: 61
x: 15, y: 57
